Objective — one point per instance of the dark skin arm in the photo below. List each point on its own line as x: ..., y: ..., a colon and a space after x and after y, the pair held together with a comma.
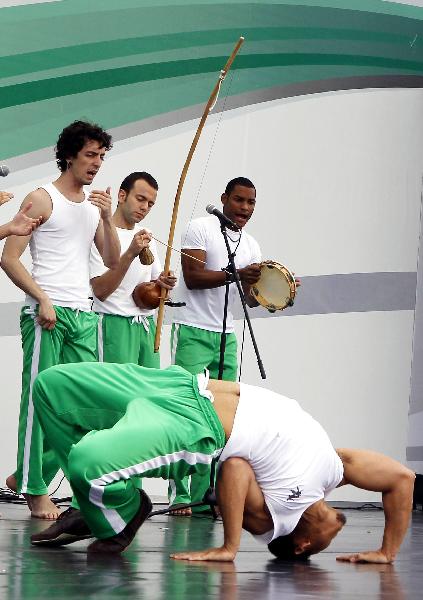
x: 376, y: 472
x: 197, y: 277
x: 241, y: 505
x: 232, y: 491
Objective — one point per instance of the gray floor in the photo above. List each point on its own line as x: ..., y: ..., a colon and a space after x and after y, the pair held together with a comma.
x: 145, y: 571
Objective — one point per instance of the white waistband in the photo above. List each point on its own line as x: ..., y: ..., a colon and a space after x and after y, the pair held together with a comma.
x: 141, y: 319
x: 81, y: 306
x: 203, y: 381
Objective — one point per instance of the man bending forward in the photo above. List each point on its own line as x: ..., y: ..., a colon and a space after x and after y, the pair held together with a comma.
x: 110, y: 424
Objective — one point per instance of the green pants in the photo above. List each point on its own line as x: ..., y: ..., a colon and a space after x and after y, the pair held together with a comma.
x: 110, y: 424
x: 127, y: 340
x: 195, y: 349
x: 73, y: 339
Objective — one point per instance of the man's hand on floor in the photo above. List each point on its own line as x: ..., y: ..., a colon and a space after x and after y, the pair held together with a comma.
x: 372, y: 556
x: 212, y: 554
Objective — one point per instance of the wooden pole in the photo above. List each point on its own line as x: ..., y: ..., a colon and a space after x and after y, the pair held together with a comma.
x: 209, y: 106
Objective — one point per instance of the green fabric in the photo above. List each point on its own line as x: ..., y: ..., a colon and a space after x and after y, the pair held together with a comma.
x: 54, y: 68
x: 110, y: 424
x: 124, y: 340
x: 195, y: 350
x: 73, y: 339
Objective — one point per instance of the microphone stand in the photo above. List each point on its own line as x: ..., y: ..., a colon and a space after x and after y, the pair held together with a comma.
x: 210, y: 496
x: 223, y: 334
x: 231, y: 268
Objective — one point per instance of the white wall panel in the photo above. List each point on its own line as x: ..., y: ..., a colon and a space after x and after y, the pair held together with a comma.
x: 338, y: 180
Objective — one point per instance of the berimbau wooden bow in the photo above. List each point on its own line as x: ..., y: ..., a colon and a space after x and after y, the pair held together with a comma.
x: 209, y: 106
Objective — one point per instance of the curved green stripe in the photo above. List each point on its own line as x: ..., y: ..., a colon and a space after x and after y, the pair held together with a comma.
x: 68, y: 59
x: 102, y: 24
x: 35, y: 91
x: 32, y: 126
x: 56, y: 58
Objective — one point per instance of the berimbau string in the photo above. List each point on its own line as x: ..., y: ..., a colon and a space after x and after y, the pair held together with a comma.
x: 180, y: 251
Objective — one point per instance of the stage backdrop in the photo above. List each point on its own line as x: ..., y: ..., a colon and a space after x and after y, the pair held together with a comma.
x: 323, y: 110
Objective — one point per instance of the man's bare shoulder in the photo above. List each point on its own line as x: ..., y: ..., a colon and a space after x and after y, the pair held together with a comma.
x: 37, y: 204
x: 41, y: 204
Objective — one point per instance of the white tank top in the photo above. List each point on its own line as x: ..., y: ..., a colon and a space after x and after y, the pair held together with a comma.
x: 291, y: 455
x: 60, y: 250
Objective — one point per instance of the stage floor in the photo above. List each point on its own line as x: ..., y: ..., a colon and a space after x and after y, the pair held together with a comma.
x: 145, y: 570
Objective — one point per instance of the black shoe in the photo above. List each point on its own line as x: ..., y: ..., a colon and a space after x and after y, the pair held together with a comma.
x: 119, y: 542
x: 69, y: 527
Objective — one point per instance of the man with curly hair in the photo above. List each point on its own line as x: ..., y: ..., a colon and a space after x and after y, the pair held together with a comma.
x: 57, y: 325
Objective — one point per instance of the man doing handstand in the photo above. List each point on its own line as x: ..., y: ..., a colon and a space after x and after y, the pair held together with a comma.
x: 110, y: 424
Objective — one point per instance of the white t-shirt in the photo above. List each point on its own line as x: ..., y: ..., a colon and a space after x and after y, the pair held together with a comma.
x: 291, y: 455
x: 121, y: 302
x: 204, y: 308
x: 60, y: 251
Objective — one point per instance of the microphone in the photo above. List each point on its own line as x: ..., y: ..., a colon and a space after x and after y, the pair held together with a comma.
x: 212, y: 210
x: 4, y: 171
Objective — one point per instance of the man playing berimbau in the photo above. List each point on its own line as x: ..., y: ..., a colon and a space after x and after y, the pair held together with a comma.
x: 125, y: 330
x: 111, y: 424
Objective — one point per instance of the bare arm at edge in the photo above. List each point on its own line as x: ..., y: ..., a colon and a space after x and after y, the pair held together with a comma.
x: 21, y: 224
x: 13, y: 267
x: 375, y: 472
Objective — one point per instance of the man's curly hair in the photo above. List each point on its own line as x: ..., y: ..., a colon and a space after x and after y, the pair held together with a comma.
x: 75, y: 136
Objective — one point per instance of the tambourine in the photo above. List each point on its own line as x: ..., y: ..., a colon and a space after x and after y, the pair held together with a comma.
x: 276, y: 288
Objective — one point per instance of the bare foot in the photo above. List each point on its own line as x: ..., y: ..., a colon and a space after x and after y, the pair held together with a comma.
x: 11, y: 483
x: 181, y: 511
x: 41, y: 507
